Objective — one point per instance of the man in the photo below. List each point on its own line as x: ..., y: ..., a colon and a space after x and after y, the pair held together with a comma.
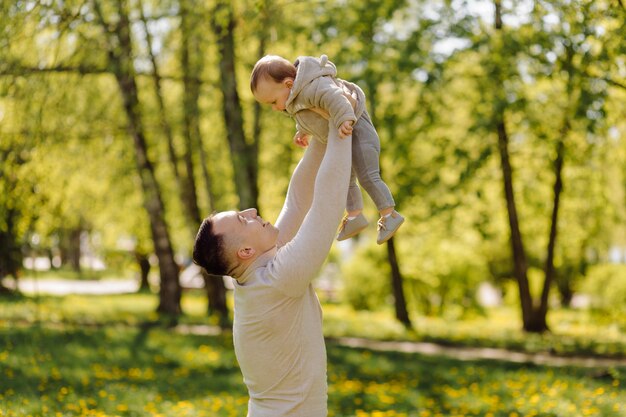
x: 277, y: 328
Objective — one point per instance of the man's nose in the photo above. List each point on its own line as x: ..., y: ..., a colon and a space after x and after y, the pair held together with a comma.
x: 251, y: 212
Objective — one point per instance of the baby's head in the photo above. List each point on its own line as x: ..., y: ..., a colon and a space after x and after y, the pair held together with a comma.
x: 271, y: 81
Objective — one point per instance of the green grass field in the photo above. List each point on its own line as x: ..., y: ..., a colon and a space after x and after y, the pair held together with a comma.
x: 92, y: 356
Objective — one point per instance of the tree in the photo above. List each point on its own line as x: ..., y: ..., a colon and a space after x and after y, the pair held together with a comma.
x: 120, y: 55
x: 519, y: 255
x: 10, y: 213
x: 577, y: 97
x: 244, y: 155
x: 191, y: 64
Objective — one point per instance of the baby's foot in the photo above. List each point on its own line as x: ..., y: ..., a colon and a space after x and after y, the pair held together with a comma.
x: 352, y: 227
x: 388, y: 225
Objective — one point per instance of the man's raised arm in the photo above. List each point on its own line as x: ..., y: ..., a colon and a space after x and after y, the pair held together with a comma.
x: 299, y: 193
x: 299, y: 261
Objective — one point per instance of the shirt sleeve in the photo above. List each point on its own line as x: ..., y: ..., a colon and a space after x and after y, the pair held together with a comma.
x: 299, y: 192
x: 299, y: 261
x: 327, y: 94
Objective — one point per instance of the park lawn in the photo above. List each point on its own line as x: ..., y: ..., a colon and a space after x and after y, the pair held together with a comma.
x: 574, y: 332
x: 119, y: 370
x: 96, y: 356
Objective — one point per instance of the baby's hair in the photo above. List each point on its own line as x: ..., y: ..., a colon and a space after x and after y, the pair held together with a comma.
x: 274, y: 66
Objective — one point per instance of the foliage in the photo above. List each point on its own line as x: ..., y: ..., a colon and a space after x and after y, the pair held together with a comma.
x: 365, y: 279
x: 427, y: 68
x: 443, y: 276
x: 606, y: 285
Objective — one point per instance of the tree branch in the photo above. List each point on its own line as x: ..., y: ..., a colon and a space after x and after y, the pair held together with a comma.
x: 20, y: 70
x: 615, y: 83
x: 16, y: 70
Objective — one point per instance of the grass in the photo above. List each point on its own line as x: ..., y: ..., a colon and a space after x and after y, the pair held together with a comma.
x: 574, y: 332
x: 91, y: 356
x: 66, y: 273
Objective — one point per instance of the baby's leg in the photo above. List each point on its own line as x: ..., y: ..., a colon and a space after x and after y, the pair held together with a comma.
x: 354, y: 203
x: 366, y: 164
x: 354, y: 222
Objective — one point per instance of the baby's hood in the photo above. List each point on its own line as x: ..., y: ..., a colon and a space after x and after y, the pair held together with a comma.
x: 310, y: 68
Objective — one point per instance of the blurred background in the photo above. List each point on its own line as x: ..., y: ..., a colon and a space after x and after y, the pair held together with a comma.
x: 124, y: 123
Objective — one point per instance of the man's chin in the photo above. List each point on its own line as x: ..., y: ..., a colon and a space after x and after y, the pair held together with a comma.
x: 276, y: 233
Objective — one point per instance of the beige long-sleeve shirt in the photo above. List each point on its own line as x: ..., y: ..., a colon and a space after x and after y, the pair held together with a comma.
x: 278, y: 318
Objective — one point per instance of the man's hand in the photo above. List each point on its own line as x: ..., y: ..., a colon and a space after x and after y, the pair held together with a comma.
x: 301, y: 139
x: 345, y: 129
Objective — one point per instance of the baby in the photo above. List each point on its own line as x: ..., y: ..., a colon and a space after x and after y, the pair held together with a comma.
x: 311, y: 84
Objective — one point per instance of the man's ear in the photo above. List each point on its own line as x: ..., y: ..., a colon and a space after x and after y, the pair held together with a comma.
x: 288, y: 83
x: 245, y: 253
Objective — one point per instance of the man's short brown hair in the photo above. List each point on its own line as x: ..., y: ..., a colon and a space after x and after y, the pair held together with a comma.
x: 273, y: 66
x: 208, y: 249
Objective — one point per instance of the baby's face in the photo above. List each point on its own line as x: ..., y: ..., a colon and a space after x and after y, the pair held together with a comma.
x: 272, y: 93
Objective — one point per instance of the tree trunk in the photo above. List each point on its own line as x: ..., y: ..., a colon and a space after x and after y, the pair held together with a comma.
x: 520, y: 263
x: 264, y: 7
x: 121, y: 61
x: 397, y: 286
x: 191, y: 63
x: 216, y: 293
x: 144, y: 270
x: 244, y: 156
x: 163, y: 119
x: 70, y: 248
x: 11, y: 255
x: 402, y: 314
x: 534, y: 317
x: 542, y: 312
x: 208, y: 180
x: 566, y: 292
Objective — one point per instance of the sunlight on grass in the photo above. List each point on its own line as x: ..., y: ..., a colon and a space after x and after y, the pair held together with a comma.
x: 365, y: 383
x: 117, y: 371
x: 573, y: 332
x: 94, y: 356
x: 120, y: 371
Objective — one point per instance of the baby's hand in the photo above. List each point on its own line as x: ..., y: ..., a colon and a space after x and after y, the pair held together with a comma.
x: 345, y: 129
x: 301, y: 139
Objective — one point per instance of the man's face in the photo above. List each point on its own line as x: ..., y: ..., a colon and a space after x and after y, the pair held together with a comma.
x: 272, y: 93
x: 246, y: 228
